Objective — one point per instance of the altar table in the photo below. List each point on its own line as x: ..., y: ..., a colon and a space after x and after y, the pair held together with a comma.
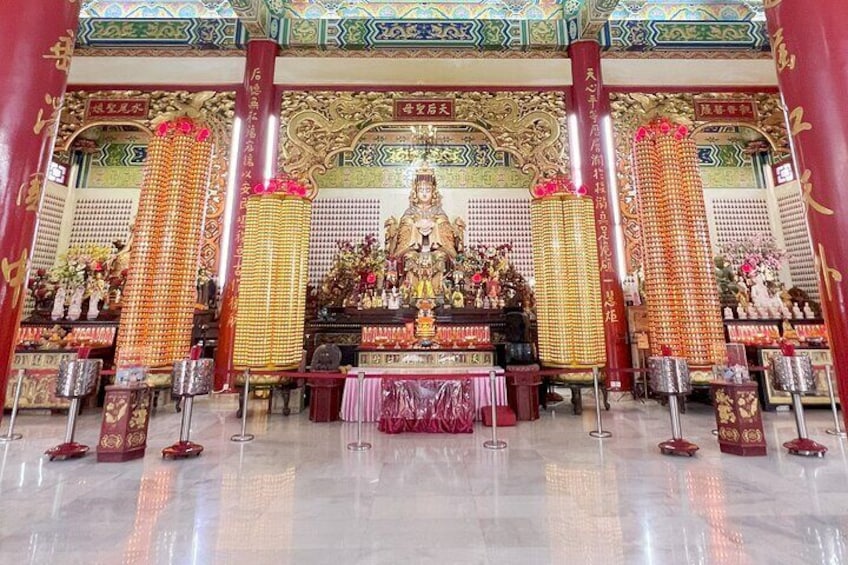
x: 376, y: 390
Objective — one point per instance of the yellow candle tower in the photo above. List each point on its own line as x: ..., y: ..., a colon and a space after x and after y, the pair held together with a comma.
x: 272, y: 285
x: 683, y: 305
x: 568, y: 293
x: 160, y: 293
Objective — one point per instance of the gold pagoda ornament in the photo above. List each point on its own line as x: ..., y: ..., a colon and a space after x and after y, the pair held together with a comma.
x: 684, y: 313
x: 160, y: 293
x: 272, y: 285
x: 568, y: 292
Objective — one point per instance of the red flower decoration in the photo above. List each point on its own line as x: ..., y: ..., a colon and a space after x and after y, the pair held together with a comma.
x: 371, y: 278
x: 682, y: 132
x: 260, y: 188
x: 582, y: 190
x: 97, y: 266
x: 664, y: 127
x: 162, y: 129
x: 185, y: 125
x: 203, y: 134
x: 747, y: 269
x: 641, y: 133
x: 477, y: 278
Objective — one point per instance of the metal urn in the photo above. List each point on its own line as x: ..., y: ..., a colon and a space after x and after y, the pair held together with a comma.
x: 77, y: 378
x: 794, y: 374
x: 190, y: 378
x: 670, y: 376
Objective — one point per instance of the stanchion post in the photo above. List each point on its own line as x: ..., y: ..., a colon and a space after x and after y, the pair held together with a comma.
x: 837, y: 429
x: 598, y: 433
x: 494, y: 443
x: 359, y: 445
x: 244, y: 437
x: 11, y: 435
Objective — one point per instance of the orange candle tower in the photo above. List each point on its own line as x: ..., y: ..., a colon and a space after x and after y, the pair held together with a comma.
x: 568, y: 293
x: 160, y: 295
x: 684, y: 313
x: 272, y: 285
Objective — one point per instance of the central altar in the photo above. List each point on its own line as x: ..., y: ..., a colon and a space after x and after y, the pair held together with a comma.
x: 421, y: 304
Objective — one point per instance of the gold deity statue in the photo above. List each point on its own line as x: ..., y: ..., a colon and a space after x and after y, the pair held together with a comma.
x: 424, y: 239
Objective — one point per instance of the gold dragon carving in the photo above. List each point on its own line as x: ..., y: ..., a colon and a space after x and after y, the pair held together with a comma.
x: 631, y: 110
x: 217, y: 109
x: 316, y: 126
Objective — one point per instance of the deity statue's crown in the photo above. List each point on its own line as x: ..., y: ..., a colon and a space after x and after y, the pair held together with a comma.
x: 425, y: 172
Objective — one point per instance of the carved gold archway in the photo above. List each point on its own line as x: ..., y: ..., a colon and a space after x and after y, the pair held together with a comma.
x: 317, y: 126
x: 630, y: 110
x: 216, y: 108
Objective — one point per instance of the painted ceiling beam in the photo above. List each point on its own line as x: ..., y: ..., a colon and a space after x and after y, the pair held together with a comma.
x: 594, y: 15
x: 253, y: 15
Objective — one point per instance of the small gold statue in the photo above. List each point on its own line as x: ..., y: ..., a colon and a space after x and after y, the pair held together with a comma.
x: 457, y: 299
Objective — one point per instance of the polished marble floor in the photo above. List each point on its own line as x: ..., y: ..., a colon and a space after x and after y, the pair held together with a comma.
x: 296, y: 495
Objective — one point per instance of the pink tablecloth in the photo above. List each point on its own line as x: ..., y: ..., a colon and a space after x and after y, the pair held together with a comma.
x: 372, y: 399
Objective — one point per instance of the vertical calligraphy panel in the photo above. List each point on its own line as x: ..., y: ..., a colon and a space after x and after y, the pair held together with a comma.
x: 256, y: 104
x: 37, y: 44
x: 590, y: 105
x: 810, y: 49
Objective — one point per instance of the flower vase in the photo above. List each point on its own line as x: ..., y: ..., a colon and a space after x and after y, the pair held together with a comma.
x: 93, y: 303
x: 75, y: 308
x: 58, y: 304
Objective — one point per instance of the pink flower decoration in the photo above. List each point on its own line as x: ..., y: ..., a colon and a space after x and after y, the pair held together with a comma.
x: 273, y: 185
x: 582, y: 190
x: 260, y: 188
x: 682, y: 131
x: 162, y: 129
x: 295, y: 188
x: 664, y: 127
x: 477, y: 278
x: 371, y: 278
x: 203, y: 134
x: 641, y: 133
x: 747, y: 269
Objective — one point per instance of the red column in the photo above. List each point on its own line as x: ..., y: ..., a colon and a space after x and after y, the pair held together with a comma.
x: 37, y: 43
x: 256, y: 104
x: 810, y: 48
x: 590, y: 104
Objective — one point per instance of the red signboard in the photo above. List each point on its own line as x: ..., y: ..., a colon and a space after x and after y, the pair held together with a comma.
x: 737, y: 110
x: 117, y: 108
x: 427, y: 109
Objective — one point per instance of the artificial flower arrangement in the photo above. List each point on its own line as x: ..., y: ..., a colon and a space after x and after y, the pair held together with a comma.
x: 356, y: 268
x: 487, y: 271
x: 85, y: 266
x: 741, y: 262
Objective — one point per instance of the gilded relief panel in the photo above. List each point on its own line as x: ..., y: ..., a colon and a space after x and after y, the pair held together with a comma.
x: 631, y: 110
x: 217, y: 109
x: 317, y: 126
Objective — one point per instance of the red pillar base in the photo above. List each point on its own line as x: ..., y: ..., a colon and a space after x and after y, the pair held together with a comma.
x: 522, y: 392
x: 182, y: 450
x: 64, y: 451
x: 805, y: 447
x: 326, y: 400
x: 678, y: 447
